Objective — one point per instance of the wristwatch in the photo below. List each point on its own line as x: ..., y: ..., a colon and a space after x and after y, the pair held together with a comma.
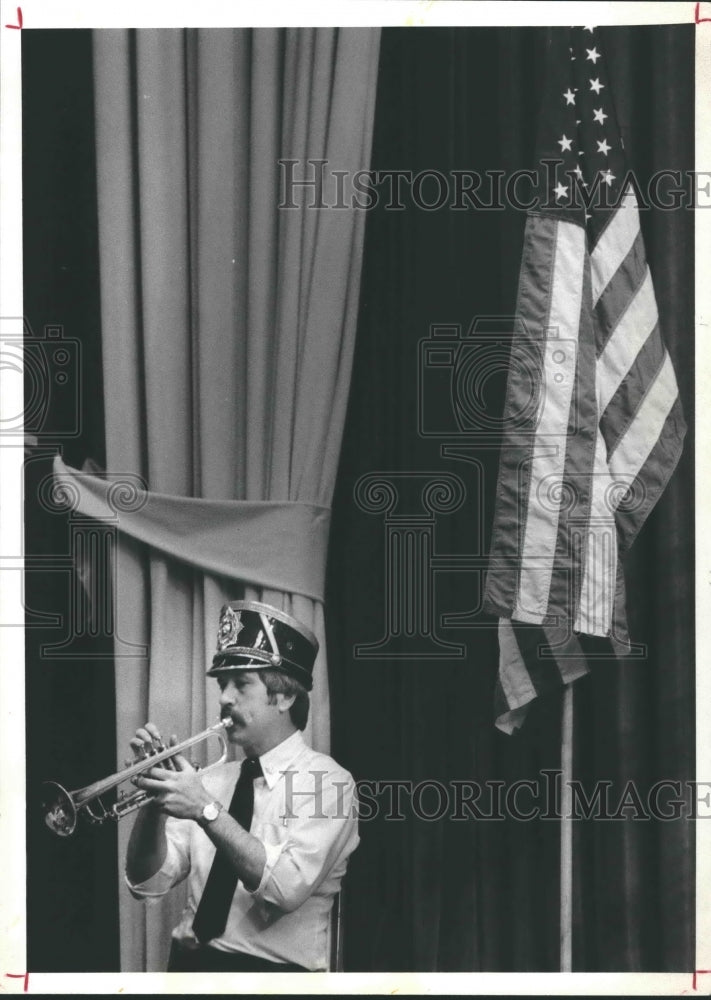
x: 210, y: 812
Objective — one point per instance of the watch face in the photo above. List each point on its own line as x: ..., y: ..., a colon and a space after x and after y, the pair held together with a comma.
x: 211, y: 812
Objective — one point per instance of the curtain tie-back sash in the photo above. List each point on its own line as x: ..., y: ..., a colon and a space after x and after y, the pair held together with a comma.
x: 276, y: 544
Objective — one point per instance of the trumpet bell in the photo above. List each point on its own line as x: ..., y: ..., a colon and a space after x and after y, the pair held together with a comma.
x: 60, y: 813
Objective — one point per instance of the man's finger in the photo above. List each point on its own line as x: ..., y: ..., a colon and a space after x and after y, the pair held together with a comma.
x: 170, y: 762
x: 151, y: 738
x: 158, y: 774
x: 181, y: 763
x: 138, y: 746
x: 153, y: 784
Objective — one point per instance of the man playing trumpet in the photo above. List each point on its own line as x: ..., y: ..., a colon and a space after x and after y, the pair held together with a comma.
x: 264, y: 842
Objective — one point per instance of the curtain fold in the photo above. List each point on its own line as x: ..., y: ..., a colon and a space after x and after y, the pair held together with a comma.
x: 279, y: 544
x: 227, y: 331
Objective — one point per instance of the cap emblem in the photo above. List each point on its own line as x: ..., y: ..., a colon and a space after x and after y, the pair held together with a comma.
x: 230, y: 628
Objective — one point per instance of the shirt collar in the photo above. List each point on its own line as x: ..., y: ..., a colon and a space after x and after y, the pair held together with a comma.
x: 280, y: 757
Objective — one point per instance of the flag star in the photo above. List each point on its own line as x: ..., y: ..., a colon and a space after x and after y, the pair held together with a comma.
x: 586, y: 28
x: 596, y: 85
x: 565, y: 143
x: 578, y: 172
x: 560, y: 190
x: 608, y: 176
x: 593, y: 55
x: 588, y: 216
x: 599, y: 116
x: 603, y: 147
x: 569, y: 96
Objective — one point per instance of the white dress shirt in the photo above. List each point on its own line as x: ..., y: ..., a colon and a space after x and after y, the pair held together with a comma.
x: 305, y: 814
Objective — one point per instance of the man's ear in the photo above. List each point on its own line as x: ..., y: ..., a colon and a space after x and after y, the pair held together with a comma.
x: 285, y: 701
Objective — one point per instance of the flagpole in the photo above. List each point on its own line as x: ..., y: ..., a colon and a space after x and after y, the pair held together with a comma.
x: 566, y: 833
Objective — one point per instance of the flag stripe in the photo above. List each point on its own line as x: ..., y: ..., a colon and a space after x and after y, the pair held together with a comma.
x: 614, y: 301
x: 562, y: 661
x: 626, y: 342
x: 623, y: 406
x: 533, y: 645
x: 524, y: 381
x: 652, y: 477
x: 508, y: 720
x: 614, y: 244
x: 540, y: 534
x: 569, y: 656
x: 633, y: 449
x: 619, y: 468
x: 577, y: 479
x: 597, y: 594
x: 514, y: 677
x: 529, y: 666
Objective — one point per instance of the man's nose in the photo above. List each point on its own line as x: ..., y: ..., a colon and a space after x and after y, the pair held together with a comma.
x: 228, y: 693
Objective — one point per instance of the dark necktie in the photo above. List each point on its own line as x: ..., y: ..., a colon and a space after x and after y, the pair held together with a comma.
x: 211, y: 915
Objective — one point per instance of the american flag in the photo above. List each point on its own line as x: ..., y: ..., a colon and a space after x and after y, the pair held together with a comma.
x: 593, y: 421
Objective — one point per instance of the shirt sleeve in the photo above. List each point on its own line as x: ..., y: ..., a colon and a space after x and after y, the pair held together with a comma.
x: 175, y: 867
x: 321, y: 832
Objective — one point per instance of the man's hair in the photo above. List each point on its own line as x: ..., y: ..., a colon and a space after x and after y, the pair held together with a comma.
x: 276, y: 682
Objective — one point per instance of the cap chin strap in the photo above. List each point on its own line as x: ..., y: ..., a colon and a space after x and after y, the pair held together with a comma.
x: 276, y: 657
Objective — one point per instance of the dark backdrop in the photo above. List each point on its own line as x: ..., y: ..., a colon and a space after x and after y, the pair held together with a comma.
x: 422, y: 895
x: 72, y: 888
x: 483, y: 895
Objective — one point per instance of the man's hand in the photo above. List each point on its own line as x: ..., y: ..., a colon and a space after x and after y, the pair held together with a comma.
x: 174, y: 784
x: 176, y: 789
x: 179, y: 792
x: 147, y: 742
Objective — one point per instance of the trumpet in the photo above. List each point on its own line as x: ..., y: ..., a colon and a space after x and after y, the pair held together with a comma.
x: 61, y: 808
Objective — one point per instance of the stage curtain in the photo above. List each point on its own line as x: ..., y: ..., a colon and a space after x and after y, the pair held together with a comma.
x: 227, y: 330
x: 482, y: 894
